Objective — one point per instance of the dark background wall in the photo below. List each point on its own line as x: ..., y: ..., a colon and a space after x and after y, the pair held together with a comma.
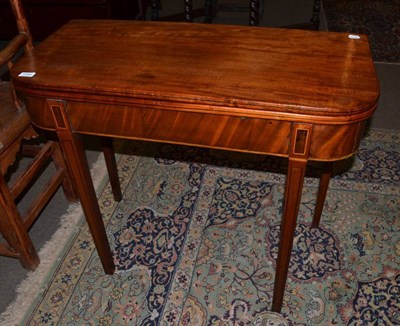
x: 45, y: 16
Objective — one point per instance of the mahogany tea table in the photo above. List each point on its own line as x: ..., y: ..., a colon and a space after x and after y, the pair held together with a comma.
x: 303, y: 95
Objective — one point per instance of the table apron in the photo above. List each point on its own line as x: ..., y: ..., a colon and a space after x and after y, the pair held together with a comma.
x: 230, y: 132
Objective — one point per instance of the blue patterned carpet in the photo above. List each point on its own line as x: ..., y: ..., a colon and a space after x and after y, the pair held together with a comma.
x: 195, y: 242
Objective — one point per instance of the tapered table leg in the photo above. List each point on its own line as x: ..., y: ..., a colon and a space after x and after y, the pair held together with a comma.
x: 294, y: 186
x: 72, y: 146
x: 109, y: 156
x: 321, y: 196
x: 300, y: 145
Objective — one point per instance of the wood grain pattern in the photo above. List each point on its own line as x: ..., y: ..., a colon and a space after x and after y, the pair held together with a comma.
x: 224, y: 131
x: 286, y: 74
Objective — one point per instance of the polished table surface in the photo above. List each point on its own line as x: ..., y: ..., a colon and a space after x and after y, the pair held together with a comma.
x: 298, y: 94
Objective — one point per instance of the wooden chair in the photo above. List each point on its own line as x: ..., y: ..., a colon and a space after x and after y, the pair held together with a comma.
x: 16, y: 130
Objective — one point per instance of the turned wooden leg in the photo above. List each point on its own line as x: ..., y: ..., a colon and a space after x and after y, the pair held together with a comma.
x: 322, y: 190
x: 188, y: 13
x: 109, y: 156
x: 154, y: 10
x: 14, y: 231
x: 254, y: 13
x: 315, y: 15
x: 76, y: 160
x: 294, y: 184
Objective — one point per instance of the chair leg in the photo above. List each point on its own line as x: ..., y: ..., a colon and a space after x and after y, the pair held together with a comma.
x: 109, y: 155
x: 13, y: 229
x: 322, y: 190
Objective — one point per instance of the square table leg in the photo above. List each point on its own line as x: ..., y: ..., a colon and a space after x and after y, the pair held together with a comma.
x: 76, y: 160
x: 300, y: 146
x: 294, y: 186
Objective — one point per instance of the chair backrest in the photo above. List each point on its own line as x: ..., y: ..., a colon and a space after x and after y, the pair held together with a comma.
x: 22, y: 24
x: 22, y: 40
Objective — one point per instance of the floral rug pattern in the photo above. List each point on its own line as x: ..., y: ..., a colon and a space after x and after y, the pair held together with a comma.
x: 195, y: 242
x: 380, y: 20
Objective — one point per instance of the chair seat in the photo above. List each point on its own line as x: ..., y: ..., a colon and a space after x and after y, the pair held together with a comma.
x: 13, y: 123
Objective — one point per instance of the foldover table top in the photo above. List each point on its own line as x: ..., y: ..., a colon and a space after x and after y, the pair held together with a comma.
x: 318, y: 77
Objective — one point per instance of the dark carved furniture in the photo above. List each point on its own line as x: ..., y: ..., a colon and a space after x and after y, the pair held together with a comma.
x: 209, y: 11
x: 211, y: 7
x: 189, y: 13
x: 303, y: 95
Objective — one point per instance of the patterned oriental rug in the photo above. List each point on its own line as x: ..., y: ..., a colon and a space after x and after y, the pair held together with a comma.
x: 380, y: 20
x: 195, y: 241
